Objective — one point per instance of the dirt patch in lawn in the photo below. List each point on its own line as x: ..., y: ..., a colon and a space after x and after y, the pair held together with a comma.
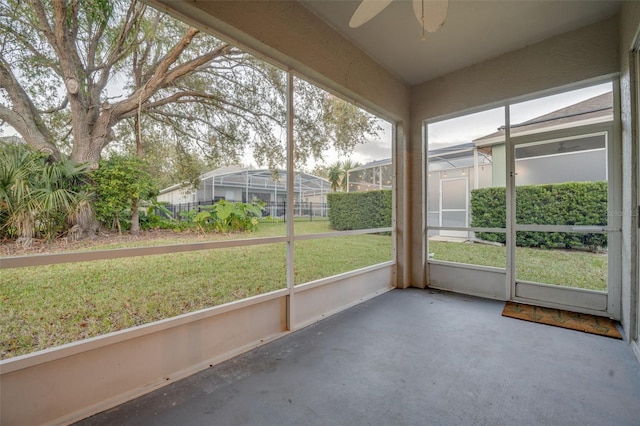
x: 10, y: 247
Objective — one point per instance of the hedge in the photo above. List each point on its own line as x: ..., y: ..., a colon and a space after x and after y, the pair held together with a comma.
x: 359, y: 210
x: 573, y: 203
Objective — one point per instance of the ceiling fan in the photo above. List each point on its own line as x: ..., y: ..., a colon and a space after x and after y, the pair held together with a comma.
x: 430, y: 13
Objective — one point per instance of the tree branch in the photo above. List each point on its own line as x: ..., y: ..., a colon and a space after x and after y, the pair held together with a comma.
x: 60, y: 107
x: 24, y: 116
x: 43, y: 21
x: 162, y: 77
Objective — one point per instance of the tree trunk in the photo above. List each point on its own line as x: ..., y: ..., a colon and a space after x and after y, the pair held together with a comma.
x: 88, y: 148
x: 86, y: 152
x: 135, y: 213
x: 135, y: 217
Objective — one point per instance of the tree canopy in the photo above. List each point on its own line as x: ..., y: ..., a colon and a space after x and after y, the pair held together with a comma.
x: 80, y: 77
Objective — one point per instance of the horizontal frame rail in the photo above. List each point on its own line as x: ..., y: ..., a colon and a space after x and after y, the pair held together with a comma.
x: 466, y: 229
x: 578, y: 229
x: 342, y: 233
x: 88, y: 256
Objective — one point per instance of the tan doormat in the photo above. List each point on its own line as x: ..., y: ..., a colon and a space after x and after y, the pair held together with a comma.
x: 565, y: 319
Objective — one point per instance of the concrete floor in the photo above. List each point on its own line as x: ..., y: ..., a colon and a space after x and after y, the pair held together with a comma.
x: 408, y: 357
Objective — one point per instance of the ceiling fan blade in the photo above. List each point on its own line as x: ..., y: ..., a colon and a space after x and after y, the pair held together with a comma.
x: 367, y: 10
x: 435, y: 12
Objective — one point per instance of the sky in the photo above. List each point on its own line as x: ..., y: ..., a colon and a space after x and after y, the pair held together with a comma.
x: 466, y: 128
x: 447, y: 132
x: 374, y: 149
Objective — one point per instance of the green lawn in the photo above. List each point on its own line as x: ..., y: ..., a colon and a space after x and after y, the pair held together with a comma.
x: 562, y: 267
x: 46, y: 306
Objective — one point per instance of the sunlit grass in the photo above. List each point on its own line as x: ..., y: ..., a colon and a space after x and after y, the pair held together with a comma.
x: 569, y: 268
x: 562, y: 267
x: 326, y: 257
x: 473, y: 254
x: 47, y: 306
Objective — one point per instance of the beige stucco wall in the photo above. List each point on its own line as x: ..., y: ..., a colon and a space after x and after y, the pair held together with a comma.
x: 177, y: 196
x: 577, y: 56
x: 629, y: 26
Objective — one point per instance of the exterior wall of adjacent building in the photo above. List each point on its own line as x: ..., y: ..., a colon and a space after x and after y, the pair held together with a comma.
x: 177, y: 196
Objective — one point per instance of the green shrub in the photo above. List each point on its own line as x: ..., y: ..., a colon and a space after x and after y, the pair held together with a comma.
x: 118, y: 183
x: 489, y: 210
x: 224, y: 216
x: 572, y: 203
x: 359, y: 210
x: 157, y: 216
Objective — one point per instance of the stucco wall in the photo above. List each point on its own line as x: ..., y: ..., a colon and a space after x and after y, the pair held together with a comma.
x: 579, y: 55
x: 629, y: 25
x: 177, y: 196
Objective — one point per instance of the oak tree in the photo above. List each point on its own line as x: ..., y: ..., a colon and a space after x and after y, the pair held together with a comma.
x: 79, y: 77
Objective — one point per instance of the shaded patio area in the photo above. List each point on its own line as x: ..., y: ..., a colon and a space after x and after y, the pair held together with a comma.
x: 408, y: 357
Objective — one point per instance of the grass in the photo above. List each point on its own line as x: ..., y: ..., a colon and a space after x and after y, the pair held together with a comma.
x: 568, y: 268
x: 273, y: 229
x: 47, y: 306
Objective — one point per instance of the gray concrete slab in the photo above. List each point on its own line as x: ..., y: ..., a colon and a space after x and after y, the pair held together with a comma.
x: 408, y: 357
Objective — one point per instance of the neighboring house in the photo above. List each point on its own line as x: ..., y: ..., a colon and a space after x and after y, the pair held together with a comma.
x: 578, y: 159
x: 452, y: 173
x: 370, y: 176
x: 244, y: 184
x: 456, y: 170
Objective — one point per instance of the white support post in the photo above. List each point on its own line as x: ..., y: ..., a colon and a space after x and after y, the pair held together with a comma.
x: 347, y: 181
x: 476, y: 166
x: 246, y: 188
x: 290, y: 204
x: 511, y: 207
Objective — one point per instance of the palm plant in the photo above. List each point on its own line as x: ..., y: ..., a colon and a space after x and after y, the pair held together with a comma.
x: 338, y: 172
x: 335, y: 175
x: 16, y: 170
x: 39, y: 199
x: 59, y: 197
x: 346, y: 166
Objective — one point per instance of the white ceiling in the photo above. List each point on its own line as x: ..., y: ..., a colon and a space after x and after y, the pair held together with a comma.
x: 475, y: 30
